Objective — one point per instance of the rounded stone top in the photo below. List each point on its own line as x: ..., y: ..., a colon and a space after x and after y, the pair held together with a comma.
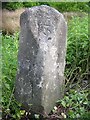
x: 42, y: 19
x: 43, y: 9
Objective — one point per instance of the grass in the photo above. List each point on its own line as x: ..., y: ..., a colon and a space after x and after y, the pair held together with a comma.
x: 76, y: 72
x: 10, y: 20
x: 9, y: 63
x: 78, y: 52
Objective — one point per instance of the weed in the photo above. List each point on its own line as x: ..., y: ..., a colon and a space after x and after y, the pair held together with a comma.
x: 77, y: 103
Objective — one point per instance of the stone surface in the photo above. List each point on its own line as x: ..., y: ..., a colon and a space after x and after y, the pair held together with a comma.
x: 41, y: 58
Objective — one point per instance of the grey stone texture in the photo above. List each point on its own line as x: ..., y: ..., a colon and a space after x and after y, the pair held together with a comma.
x: 41, y: 58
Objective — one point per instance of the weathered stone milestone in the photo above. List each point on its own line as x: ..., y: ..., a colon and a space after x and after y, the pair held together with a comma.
x: 41, y: 58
